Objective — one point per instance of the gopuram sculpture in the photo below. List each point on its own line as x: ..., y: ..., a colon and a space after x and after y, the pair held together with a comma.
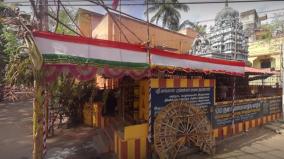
x: 226, y: 39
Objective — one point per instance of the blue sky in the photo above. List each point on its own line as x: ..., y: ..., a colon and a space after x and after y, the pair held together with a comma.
x: 198, y: 12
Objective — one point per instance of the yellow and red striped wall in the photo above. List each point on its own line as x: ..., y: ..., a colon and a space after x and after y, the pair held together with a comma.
x: 132, y: 142
x: 92, y: 115
x: 130, y: 149
x: 229, y: 130
x: 182, y: 82
x: 87, y: 114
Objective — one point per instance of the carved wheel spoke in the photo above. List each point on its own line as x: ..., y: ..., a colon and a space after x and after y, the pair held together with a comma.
x: 179, y: 125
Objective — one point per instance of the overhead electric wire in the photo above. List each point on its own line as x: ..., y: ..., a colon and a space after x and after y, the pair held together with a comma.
x: 189, y: 2
x: 139, y: 4
x: 129, y: 4
x: 208, y: 20
x: 267, y: 11
x: 68, y: 14
x: 66, y: 26
x: 101, y: 3
x: 27, y: 1
x: 57, y: 13
x: 273, y: 10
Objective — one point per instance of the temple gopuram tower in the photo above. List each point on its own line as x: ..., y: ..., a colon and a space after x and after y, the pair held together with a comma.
x: 226, y: 39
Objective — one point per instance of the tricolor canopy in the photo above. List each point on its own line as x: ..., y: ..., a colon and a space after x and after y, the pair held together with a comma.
x: 85, y: 57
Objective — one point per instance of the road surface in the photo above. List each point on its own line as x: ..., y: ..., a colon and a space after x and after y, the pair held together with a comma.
x: 16, y: 130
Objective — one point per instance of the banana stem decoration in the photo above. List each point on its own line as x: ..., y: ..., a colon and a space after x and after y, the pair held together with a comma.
x: 10, y: 16
x: 38, y: 102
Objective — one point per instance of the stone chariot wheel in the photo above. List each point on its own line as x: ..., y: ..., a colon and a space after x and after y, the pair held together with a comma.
x: 179, y: 127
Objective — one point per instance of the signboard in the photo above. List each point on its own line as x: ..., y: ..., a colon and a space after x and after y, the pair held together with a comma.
x: 275, y: 105
x: 199, y: 92
x: 223, y: 115
x: 202, y: 97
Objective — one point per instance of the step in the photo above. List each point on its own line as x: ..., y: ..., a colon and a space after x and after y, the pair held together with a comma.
x: 277, y: 123
x: 274, y: 128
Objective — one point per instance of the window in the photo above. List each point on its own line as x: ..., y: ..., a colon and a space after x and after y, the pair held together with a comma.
x: 265, y: 63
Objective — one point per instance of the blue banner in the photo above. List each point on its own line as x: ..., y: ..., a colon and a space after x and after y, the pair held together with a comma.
x: 202, y: 97
x: 223, y: 114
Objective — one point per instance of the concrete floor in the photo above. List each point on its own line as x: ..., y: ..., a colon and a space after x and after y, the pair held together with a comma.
x: 260, y: 143
x: 87, y: 143
x: 257, y: 143
x: 16, y: 137
x: 79, y: 143
x: 16, y: 130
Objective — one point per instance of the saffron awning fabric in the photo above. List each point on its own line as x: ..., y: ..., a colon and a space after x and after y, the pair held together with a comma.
x: 84, y: 57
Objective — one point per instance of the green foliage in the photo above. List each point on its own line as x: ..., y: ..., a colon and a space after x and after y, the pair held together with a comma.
x: 64, y: 18
x: 3, y: 56
x: 18, y: 70
x: 69, y: 96
x: 201, y: 29
x: 277, y: 24
x: 168, y: 13
x: 275, y: 27
x: 266, y: 33
x: 184, y: 24
x: 15, y: 63
x: 3, y: 62
x: 11, y: 44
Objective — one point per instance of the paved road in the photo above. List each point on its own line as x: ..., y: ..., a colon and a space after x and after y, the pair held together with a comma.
x: 16, y: 130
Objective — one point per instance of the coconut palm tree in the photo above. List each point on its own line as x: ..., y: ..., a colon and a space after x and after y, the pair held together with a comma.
x: 166, y: 11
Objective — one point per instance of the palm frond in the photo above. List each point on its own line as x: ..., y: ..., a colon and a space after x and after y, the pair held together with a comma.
x: 168, y: 13
x: 157, y: 16
x: 186, y: 23
x: 182, y: 7
x: 152, y: 9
